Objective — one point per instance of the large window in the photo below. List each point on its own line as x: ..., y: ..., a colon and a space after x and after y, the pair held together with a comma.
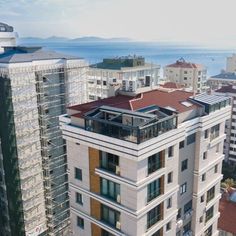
x: 80, y: 222
x: 109, y: 162
x: 184, y: 165
x: 110, y: 216
x: 110, y: 189
x: 78, y: 173
x: 210, y: 194
x: 155, y: 162
x: 79, y: 198
x: 154, y: 189
x: 191, y: 138
x: 208, y: 232
x: 187, y: 228
x: 215, y: 131
x: 188, y: 207
x: 209, y: 213
x: 183, y: 188
x: 153, y: 216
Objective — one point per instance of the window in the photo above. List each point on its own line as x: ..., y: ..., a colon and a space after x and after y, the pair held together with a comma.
x: 79, y: 199
x: 185, y: 78
x: 154, y: 189
x: 104, y: 83
x: 184, y: 165
x: 185, y: 72
x: 204, y: 155
x: 179, y: 213
x: 170, y: 177
x: 110, y: 216
x: 203, y: 177
x: 109, y: 162
x: 78, y: 173
x: 91, y: 97
x: 110, y: 189
x: 215, y: 132
x: 202, y: 198
x: 206, y: 134
x: 216, y: 169
x: 105, y: 233
x: 153, y: 216
x: 188, y: 207
x: 168, y: 226
x: 201, y: 219
x: 208, y: 232
x: 98, y: 82
x: 169, y: 203
x: 80, y: 222
x: 154, y: 162
x: 181, y: 144
x: 191, y: 139
x: 210, y: 194
x: 158, y: 233
x: 187, y: 228
x: 170, y: 151
x: 209, y: 214
x: 183, y: 188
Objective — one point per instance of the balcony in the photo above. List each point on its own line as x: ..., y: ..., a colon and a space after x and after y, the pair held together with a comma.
x: 188, y: 233
x: 188, y: 214
x: 132, y: 126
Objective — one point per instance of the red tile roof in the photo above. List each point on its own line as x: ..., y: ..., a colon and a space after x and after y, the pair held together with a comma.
x: 227, y: 89
x: 155, y: 97
x: 172, y: 85
x: 184, y: 64
x: 227, y: 220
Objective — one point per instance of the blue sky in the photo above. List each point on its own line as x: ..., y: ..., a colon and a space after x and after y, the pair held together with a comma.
x: 201, y: 21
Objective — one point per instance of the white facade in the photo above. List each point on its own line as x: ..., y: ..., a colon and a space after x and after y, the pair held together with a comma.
x: 103, y: 83
x: 7, y: 36
x: 192, y: 77
x: 231, y: 64
x: 185, y: 187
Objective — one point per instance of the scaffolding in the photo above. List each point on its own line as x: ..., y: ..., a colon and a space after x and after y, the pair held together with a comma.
x: 39, y: 95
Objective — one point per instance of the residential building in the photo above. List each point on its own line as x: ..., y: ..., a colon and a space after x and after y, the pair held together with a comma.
x: 188, y: 74
x: 35, y: 88
x: 230, y: 141
x: 223, y: 79
x: 7, y: 36
x: 231, y: 64
x: 130, y: 73
x: 148, y: 164
x: 227, y: 226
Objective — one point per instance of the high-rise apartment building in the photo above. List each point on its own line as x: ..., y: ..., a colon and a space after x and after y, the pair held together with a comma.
x: 146, y: 165
x: 130, y: 73
x: 231, y: 64
x: 230, y: 141
x: 191, y: 75
x: 7, y: 36
x: 35, y: 88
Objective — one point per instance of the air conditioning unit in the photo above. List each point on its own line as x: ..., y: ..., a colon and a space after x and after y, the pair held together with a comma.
x: 124, y: 85
x: 118, y: 226
x: 118, y: 198
x: 132, y: 86
x: 179, y: 223
x: 117, y: 170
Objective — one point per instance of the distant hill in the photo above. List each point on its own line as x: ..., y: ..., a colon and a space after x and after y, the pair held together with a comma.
x: 55, y: 39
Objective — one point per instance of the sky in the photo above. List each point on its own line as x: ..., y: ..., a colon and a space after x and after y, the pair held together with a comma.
x: 198, y: 21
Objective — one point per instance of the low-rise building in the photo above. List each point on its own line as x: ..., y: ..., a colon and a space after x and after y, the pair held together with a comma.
x: 146, y: 165
x: 188, y: 74
x: 231, y: 64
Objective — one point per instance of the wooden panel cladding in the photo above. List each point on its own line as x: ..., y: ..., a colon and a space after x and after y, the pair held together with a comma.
x: 96, y: 230
x: 94, y: 163
x: 95, y: 209
x: 162, y: 184
x: 163, y: 158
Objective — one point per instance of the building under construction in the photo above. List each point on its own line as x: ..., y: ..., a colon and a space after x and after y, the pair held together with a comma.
x: 35, y: 88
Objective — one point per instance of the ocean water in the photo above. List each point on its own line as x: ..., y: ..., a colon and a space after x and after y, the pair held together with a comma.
x: 162, y: 54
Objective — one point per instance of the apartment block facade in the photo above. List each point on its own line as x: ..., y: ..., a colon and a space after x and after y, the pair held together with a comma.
x: 188, y: 74
x: 35, y: 88
x: 129, y: 73
x: 146, y: 165
x: 230, y: 129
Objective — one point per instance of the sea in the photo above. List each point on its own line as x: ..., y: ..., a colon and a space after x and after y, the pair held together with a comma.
x: 157, y: 53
